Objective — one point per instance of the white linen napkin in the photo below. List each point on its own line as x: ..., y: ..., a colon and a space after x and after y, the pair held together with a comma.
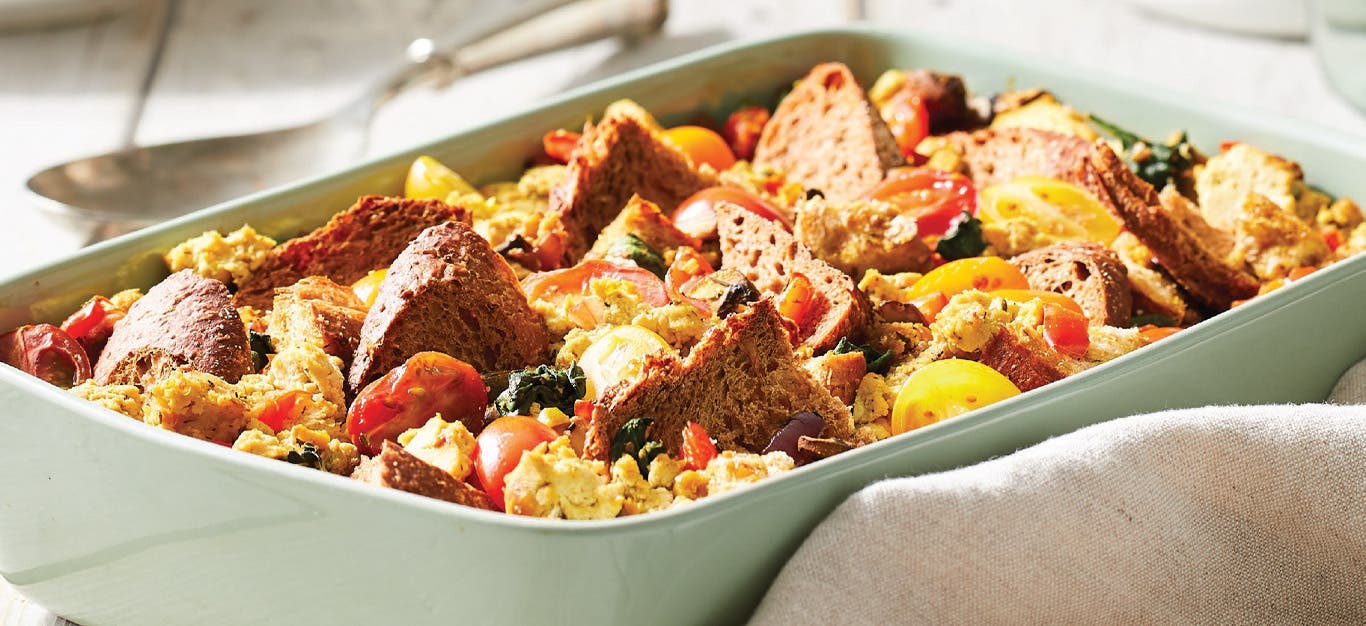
x: 1210, y: 515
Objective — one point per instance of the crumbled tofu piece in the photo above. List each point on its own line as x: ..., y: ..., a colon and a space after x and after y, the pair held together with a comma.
x: 1343, y: 214
x: 970, y: 318
x: 758, y: 180
x: 505, y: 210
x: 608, y: 301
x: 196, y: 404
x: 305, y: 366
x: 1017, y: 235
x: 882, y: 288
x: 125, y: 399
x: 1223, y: 182
x: 873, y: 400
x: 1044, y: 112
x: 576, y: 342
x: 638, y: 495
x: 229, y: 259
x: 445, y: 445
x: 1273, y: 242
x: 552, y: 481
x: 732, y: 470
x: 1356, y: 243
x: 261, y: 443
x: 1108, y: 343
x: 681, y: 325
x: 331, y: 455
x: 303, y: 381
x: 664, y: 469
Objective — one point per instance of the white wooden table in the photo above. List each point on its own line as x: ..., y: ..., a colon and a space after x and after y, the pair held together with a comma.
x: 175, y: 69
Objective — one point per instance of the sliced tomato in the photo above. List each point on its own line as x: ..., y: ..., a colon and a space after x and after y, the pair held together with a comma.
x: 696, y: 216
x: 576, y: 280
x: 499, y: 449
x: 908, y: 119
x: 1300, y: 272
x: 281, y: 409
x: 986, y: 273
x: 559, y: 144
x: 702, y: 145
x: 1151, y: 333
x: 945, y: 389
x: 1066, y: 330
x: 46, y: 352
x: 936, y: 199
x: 697, y: 449
x: 92, y: 324
x: 426, y: 384
x: 743, y: 128
x: 1048, y: 297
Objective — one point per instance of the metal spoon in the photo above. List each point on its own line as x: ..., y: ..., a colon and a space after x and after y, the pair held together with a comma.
x: 138, y: 186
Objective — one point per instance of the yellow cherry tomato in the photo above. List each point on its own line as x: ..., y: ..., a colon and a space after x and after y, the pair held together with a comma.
x: 429, y: 179
x: 619, y: 355
x: 986, y: 273
x: 945, y: 389
x: 1048, y: 297
x: 702, y: 145
x: 1060, y: 209
x: 368, y: 286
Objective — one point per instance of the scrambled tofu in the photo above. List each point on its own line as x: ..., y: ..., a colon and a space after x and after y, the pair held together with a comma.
x: 638, y: 494
x: 1041, y: 111
x: 1272, y: 242
x: 882, y: 288
x: 729, y: 471
x: 302, y: 381
x: 445, y: 445
x: 503, y: 211
x: 759, y: 180
x: 125, y: 399
x: 873, y: 400
x: 970, y: 319
x: 229, y: 259
x: 552, y: 481
x: 197, y: 404
x: 1223, y: 183
x: 1017, y: 235
x: 1108, y: 343
x: 681, y: 325
x: 614, y: 302
x: 303, y: 446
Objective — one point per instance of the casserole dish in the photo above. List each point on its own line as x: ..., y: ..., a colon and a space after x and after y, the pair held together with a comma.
x: 106, y: 521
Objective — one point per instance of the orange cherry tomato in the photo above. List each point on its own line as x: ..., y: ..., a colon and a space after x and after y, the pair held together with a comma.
x: 1300, y: 272
x: 576, y: 279
x: 801, y: 304
x: 930, y: 305
x: 696, y: 216
x: 697, y: 449
x: 743, y: 128
x: 367, y: 288
x: 281, y: 409
x: 92, y: 324
x: 1048, y: 297
x: 702, y: 145
x: 428, y: 383
x: 1151, y: 333
x: 986, y: 273
x: 688, y: 265
x: 908, y: 119
x: 499, y: 448
x: 936, y: 199
x: 46, y: 352
x: 559, y: 144
x: 1066, y: 330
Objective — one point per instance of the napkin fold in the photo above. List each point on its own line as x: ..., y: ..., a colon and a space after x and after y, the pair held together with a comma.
x: 1235, y: 514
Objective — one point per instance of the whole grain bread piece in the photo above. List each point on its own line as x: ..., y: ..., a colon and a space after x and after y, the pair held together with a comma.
x: 643, y: 219
x: 1028, y: 361
x: 1000, y: 155
x: 614, y: 160
x: 449, y: 292
x: 769, y: 257
x: 318, y: 311
x: 827, y: 135
x: 741, y: 383
x: 365, y: 237
x: 400, y: 469
x: 1089, y: 273
x: 840, y: 374
x: 1153, y: 291
x: 860, y: 235
x: 185, y: 320
x: 1190, y: 250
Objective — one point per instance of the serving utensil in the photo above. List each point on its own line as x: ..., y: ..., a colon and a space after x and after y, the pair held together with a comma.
x: 134, y: 187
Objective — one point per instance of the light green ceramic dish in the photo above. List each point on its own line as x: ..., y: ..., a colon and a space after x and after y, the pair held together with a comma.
x: 105, y: 520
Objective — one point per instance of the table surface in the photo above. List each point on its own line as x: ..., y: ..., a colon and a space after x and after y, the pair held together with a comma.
x: 178, y: 69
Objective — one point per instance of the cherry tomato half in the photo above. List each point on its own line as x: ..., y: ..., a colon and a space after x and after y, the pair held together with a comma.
x: 802, y: 304
x: 559, y: 144
x: 499, y: 449
x: 92, y: 324
x: 1048, y: 297
x: 1151, y: 333
x: 702, y: 145
x: 743, y: 128
x: 697, y: 449
x: 908, y: 119
x: 575, y: 280
x: 688, y: 265
x: 46, y: 352
x: 696, y: 216
x: 936, y: 199
x: 986, y: 273
x: 367, y: 288
x: 945, y: 389
x: 410, y: 394
x: 1065, y: 330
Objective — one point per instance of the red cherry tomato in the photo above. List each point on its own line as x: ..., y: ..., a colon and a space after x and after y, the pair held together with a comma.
x: 1332, y: 237
x: 46, y: 352
x: 743, y: 128
x: 559, y: 144
x: 575, y: 280
x: 1300, y: 272
x: 499, y: 449
x: 696, y: 216
x: 935, y: 198
x: 908, y: 119
x: 1065, y: 330
x: 92, y: 324
x: 410, y: 394
x: 702, y: 145
x: 697, y: 449
x: 281, y: 409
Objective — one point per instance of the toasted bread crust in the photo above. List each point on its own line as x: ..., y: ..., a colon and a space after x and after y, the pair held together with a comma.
x: 365, y: 237
x: 857, y: 236
x: 1088, y: 273
x: 741, y: 383
x: 769, y: 257
x: 618, y: 158
x: 185, y: 320
x: 827, y: 135
x: 1026, y: 361
x: 449, y: 292
x: 1204, y: 274
x: 318, y: 311
x: 399, y: 469
x: 999, y: 155
x: 643, y: 219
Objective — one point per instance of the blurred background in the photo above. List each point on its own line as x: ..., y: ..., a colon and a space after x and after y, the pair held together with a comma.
x: 84, y: 76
